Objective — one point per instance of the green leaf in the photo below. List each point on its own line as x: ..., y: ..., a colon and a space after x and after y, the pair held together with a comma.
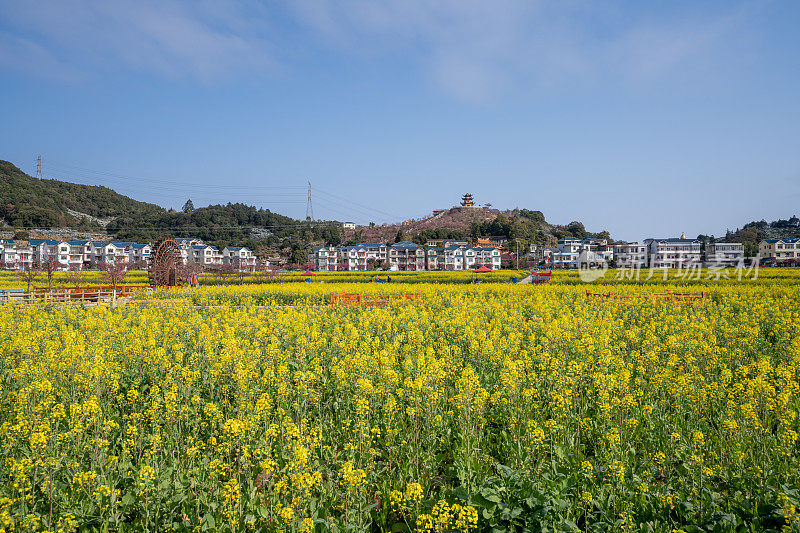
x: 208, y: 522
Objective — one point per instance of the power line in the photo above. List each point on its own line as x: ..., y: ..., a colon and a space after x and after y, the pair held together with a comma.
x: 372, y: 209
x: 169, y: 189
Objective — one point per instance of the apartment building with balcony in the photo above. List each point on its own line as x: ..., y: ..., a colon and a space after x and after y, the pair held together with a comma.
x: 108, y: 252
x: 724, y: 253
x: 360, y: 256
x: 454, y: 255
x: 140, y: 253
x: 80, y: 254
x: 25, y: 256
x: 204, y: 255
x: 240, y: 257
x: 779, y: 249
x: 8, y: 252
x: 488, y: 256
x: 406, y: 256
x: 673, y: 252
x: 568, y: 252
x: 434, y: 258
x: 45, y: 249
x: 630, y: 255
x: 325, y: 258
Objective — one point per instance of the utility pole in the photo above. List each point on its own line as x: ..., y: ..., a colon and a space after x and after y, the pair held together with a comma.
x: 39, y: 168
x: 516, y: 256
x: 309, y: 206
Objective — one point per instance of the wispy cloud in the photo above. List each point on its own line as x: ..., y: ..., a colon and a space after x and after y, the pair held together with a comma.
x: 473, y: 50
x: 172, y: 38
x: 19, y: 53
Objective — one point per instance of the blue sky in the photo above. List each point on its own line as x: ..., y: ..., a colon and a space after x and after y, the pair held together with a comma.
x: 643, y: 118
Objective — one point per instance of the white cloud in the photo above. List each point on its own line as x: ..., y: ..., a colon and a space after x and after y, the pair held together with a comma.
x: 23, y: 54
x: 172, y: 38
x: 473, y: 50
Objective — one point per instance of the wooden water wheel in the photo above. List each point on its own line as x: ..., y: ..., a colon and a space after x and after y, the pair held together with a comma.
x: 166, y: 264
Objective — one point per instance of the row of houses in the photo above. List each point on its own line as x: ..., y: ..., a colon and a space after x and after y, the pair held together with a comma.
x: 74, y: 255
x: 570, y: 252
x: 441, y: 255
x: 654, y: 253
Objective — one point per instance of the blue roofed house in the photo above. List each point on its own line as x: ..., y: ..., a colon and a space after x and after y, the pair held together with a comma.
x: 240, y: 257
x: 204, y: 254
x: 8, y: 253
x: 326, y: 258
x: 779, y: 249
x: 44, y: 250
x: 406, y: 256
x: 488, y: 256
x: 80, y: 254
x: 108, y: 252
x: 140, y: 253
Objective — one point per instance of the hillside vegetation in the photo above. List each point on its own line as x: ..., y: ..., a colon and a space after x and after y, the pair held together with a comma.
x: 29, y: 202
x: 523, y: 225
x: 753, y: 232
x: 221, y: 225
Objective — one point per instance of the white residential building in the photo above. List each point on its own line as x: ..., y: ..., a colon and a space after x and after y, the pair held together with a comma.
x: 489, y: 256
x: 8, y: 253
x: 673, y: 253
x: 140, y: 252
x: 357, y: 257
x: 240, y: 257
x: 454, y: 255
x: 108, y: 252
x: 204, y: 254
x: 541, y: 255
x: 724, y: 253
x: 406, y: 256
x: 80, y: 254
x: 567, y: 253
x: 434, y: 258
x: 630, y: 255
x: 325, y: 258
x: 572, y: 252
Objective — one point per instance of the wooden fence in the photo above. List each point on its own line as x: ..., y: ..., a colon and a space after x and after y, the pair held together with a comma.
x: 541, y: 277
x: 87, y: 293
x: 375, y: 300
x: 675, y: 297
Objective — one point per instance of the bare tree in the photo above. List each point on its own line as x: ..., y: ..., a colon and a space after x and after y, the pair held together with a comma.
x: 29, y: 273
x: 225, y: 271
x: 241, y: 274
x: 190, y: 272
x: 114, y: 273
x: 50, y: 267
x: 76, y: 276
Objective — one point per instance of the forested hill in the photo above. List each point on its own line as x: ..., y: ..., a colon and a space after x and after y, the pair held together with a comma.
x: 753, y: 232
x: 29, y: 202
x: 238, y: 224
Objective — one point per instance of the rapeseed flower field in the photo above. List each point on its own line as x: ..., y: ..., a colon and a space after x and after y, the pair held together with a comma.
x: 491, y: 407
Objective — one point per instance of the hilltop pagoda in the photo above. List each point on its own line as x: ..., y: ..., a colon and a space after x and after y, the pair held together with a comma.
x: 467, y: 200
